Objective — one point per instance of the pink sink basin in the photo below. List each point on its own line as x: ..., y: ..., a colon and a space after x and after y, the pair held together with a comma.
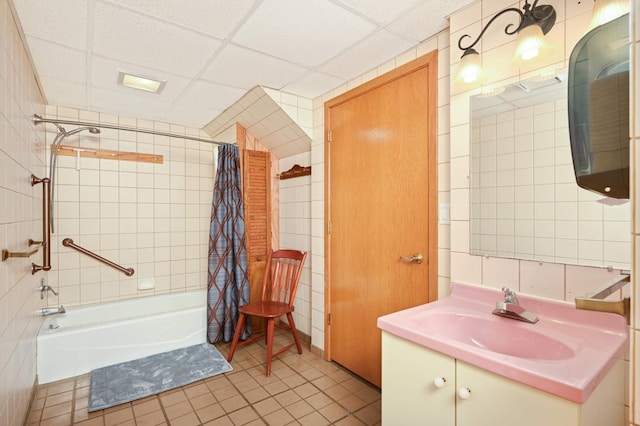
x: 494, y: 335
x: 566, y: 353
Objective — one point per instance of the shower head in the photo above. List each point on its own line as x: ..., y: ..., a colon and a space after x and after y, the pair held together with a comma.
x: 92, y: 130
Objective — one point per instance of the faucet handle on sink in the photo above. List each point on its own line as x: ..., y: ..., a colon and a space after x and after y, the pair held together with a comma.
x: 510, y: 296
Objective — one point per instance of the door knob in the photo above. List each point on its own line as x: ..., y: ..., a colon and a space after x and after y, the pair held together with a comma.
x: 416, y: 258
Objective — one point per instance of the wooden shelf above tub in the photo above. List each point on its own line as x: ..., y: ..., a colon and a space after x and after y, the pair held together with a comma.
x: 73, y: 151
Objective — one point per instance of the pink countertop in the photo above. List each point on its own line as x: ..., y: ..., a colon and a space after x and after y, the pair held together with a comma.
x: 566, y: 353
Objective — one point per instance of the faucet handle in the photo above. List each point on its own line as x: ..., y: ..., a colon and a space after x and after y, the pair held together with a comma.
x: 509, y: 296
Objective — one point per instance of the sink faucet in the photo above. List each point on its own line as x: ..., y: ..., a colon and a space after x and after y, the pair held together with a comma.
x: 511, y: 308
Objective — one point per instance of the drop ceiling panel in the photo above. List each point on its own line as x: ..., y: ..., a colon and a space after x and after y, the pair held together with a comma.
x: 313, y: 83
x: 134, y: 105
x: 162, y: 46
x: 304, y: 32
x: 302, y: 47
x: 366, y: 55
x: 217, y: 18
x: 60, y: 92
x: 64, y: 22
x: 238, y: 67
x: 380, y: 10
x: 59, y: 62
x: 210, y: 96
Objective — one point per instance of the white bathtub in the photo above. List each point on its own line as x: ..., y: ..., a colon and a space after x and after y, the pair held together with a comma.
x: 89, y: 337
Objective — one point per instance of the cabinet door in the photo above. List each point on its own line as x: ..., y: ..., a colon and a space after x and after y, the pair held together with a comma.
x: 409, y: 395
x: 497, y: 401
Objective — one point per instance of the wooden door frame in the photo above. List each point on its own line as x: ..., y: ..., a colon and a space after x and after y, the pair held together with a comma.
x: 429, y: 61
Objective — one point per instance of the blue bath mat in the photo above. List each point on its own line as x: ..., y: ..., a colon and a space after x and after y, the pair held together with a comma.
x: 131, y: 380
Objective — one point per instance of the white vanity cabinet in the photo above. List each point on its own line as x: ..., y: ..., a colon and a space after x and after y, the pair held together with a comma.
x: 424, y: 387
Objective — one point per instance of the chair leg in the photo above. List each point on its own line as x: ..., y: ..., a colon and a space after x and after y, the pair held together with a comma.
x: 292, y: 326
x: 236, y: 336
x: 270, y: 333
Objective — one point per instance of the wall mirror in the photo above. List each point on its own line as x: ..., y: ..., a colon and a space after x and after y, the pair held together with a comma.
x: 525, y: 203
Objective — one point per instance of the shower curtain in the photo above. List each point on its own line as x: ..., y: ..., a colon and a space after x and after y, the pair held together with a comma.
x: 228, y: 284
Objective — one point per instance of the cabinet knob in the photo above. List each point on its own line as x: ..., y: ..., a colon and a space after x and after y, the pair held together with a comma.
x: 464, y: 393
x: 439, y: 382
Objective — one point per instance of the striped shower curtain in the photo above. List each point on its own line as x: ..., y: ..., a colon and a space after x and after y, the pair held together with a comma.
x: 228, y: 284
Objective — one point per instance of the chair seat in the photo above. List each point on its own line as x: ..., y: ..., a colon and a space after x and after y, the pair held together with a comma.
x: 266, y: 309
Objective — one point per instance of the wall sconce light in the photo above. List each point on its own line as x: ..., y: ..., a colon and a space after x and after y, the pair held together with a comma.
x: 535, y: 22
x: 606, y: 11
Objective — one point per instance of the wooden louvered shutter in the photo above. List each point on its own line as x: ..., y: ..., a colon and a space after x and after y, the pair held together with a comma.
x: 257, y: 202
x: 257, y: 212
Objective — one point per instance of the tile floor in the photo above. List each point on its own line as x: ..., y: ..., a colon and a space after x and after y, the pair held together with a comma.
x: 302, y: 390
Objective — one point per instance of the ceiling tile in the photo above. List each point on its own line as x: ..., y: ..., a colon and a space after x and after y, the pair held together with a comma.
x: 138, y: 39
x: 65, y: 94
x: 217, y: 18
x: 209, y: 96
x: 427, y: 19
x: 314, y: 84
x: 64, y: 22
x: 119, y: 103
x: 58, y: 62
x: 236, y: 66
x: 380, y: 10
x: 189, y: 116
x: 307, y: 32
x: 366, y: 55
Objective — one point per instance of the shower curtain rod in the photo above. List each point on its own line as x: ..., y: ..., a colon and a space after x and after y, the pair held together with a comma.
x: 37, y: 119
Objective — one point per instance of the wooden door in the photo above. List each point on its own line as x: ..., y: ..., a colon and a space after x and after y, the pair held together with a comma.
x: 381, y: 205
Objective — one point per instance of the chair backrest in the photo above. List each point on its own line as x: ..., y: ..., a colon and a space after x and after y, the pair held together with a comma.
x: 282, y: 275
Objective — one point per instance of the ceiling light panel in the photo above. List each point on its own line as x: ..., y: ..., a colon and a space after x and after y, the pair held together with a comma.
x: 140, y: 82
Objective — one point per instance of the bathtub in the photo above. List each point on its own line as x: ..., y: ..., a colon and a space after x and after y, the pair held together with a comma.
x: 89, y: 337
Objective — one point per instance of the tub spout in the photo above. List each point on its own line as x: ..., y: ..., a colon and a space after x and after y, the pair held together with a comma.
x: 53, y: 311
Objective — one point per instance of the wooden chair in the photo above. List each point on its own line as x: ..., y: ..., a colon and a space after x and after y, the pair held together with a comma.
x: 281, y: 278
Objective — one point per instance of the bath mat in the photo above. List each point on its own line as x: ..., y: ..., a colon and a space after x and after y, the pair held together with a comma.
x: 131, y: 380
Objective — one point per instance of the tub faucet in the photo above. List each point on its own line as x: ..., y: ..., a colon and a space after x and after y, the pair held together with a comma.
x: 44, y: 288
x: 510, y: 308
x: 53, y: 311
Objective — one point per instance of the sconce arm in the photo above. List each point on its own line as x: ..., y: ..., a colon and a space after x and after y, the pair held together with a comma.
x: 506, y: 29
x: 543, y: 15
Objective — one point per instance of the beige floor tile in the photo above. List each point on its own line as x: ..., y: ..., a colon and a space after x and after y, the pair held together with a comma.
x: 302, y: 390
x: 210, y: 412
x: 178, y: 410
x: 56, y: 410
x: 155, y: 418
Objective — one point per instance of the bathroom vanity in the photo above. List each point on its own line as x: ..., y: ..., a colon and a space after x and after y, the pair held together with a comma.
x: 452, y: 362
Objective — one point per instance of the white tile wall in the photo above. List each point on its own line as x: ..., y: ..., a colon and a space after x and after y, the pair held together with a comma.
x: 21, y: 154
x: 151, y: 217
x: 295, y: 232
